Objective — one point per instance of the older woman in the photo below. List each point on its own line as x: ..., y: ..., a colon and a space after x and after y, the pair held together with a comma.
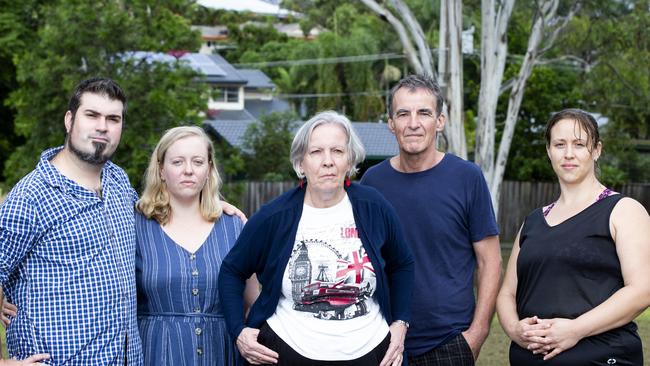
x: 335, y: 271
x: 182, y: 237
x: 578, y: 273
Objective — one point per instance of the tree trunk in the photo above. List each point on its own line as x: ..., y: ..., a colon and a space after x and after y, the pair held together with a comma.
x: 543, y: 19
x: 494, y: 49
x: 454, y: 79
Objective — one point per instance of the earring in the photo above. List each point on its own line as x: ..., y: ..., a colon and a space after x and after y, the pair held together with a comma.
x: 347, y: 181
x: 302, y: 183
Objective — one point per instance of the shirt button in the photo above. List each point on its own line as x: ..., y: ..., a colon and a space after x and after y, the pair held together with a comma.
x: 192, y: 256
x: 195, y: 291
x: 198, y: 331
x: 195, y: 272
x: 199, y: 351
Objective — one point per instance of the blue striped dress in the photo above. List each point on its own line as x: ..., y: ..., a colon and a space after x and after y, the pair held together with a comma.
x: 179, y: 315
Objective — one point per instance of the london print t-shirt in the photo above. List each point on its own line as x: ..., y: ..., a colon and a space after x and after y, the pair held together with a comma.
x: 326, y: 310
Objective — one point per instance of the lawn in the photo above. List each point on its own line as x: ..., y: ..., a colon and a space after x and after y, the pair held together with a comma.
x: 495, y: 350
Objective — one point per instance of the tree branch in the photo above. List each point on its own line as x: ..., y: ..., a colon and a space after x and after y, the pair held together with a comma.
x: 417, y: 34
x: 627, y: 85
x: 564, y: 21
x: 585, y: 64
x: 401, y: 32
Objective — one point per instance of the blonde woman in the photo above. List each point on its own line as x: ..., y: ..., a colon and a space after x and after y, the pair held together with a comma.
x: 182, y: 237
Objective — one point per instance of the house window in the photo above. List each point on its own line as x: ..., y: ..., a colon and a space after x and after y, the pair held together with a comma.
x: 225, y: 94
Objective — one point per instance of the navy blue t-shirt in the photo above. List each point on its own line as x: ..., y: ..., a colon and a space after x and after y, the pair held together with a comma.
x: 443, y: 211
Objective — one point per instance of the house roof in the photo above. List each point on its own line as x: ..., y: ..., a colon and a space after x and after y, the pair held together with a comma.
x: 254, y: 6
x: 230, y: 75
x: 211, y: 32
x: 376, y: 138
x: 258, y: 107
x: 215, y: 68
x: 231, y: 126
x: 256, y: 79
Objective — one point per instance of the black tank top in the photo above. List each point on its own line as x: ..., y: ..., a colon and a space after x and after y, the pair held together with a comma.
x: 566, y: 270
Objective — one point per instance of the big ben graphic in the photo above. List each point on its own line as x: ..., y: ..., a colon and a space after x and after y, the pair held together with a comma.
x: 301, y: 275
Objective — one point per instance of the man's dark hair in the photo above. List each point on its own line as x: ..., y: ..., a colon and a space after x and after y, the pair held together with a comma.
x: 97, y: 85
x: 413, y: 82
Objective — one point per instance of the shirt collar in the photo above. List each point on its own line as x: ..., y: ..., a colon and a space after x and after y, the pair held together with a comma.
x: 54, y: 178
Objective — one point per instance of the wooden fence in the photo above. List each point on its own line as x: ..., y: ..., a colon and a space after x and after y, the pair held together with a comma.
x: 519, y: 198
x: 516, y: 201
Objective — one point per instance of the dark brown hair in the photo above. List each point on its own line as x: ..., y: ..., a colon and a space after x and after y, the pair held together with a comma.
x: 584, y: 120
x: 97, y: 85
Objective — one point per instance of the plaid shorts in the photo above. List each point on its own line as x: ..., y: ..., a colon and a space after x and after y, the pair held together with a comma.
x: 456, y: 352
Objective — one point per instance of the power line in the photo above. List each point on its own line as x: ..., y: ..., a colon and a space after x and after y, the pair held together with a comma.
x: 327, y: 60
x: 321, y: 95
x: 381, y: 57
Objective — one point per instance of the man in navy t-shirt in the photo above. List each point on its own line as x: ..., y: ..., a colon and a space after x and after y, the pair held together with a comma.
x: 446, y: 211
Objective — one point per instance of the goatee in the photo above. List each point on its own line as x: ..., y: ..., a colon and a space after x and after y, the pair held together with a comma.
x: 97, y: 157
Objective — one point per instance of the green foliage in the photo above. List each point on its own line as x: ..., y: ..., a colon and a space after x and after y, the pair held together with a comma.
x: 612, y: 40
x: 611, y: 176
x: 354, y: 88
x: 548, y: 90
x: 78, y: 39
x: 18, y: 23
x: 250, y: 37
x: 270, y: 142
x: 201, y: 15
x: 233, y: 193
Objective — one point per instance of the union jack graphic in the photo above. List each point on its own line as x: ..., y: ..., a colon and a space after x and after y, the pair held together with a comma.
x: 356, y: 262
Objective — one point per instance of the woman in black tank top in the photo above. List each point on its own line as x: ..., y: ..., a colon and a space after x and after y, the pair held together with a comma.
x: 579, y: 269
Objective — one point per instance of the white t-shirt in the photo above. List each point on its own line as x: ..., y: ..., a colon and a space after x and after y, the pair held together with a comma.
x: 326, y: 311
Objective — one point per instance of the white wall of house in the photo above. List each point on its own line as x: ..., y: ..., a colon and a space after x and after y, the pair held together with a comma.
x: 259, y: 95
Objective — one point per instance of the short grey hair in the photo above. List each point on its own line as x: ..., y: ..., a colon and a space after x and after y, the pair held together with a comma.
x: 356, y: 152
x: 412, y: 83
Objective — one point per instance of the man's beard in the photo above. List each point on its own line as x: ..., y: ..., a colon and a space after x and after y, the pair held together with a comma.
x: 97, y: 157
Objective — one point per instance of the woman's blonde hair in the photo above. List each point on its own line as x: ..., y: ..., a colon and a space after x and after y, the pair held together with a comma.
x: 154, y: 203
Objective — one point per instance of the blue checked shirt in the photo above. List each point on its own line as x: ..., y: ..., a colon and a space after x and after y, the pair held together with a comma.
x: 67, y: 260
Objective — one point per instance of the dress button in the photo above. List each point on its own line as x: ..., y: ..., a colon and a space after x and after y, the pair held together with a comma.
x: 199, y: 351
x: 198, y: 331
x: 195, y: 291
x: 195, y: 272
x: 192, y: 256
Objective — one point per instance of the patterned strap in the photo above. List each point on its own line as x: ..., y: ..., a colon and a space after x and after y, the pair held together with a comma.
x: 604, y: 194
x: 548, y: 208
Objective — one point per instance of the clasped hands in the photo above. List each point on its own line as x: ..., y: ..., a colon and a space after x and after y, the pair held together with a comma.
x: 549, y: 337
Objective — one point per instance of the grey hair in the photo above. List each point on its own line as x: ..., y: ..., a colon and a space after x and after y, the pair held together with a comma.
x: 356, y: 151
x: 413, y: 82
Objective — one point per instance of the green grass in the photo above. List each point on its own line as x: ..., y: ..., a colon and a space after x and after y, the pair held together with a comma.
x: 3, y: 343
x: 495, y: 349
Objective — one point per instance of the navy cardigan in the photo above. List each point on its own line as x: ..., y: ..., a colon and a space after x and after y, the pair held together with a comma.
x: 264, y: 247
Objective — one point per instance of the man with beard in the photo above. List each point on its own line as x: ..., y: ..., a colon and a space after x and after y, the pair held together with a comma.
x: 67, y: 244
